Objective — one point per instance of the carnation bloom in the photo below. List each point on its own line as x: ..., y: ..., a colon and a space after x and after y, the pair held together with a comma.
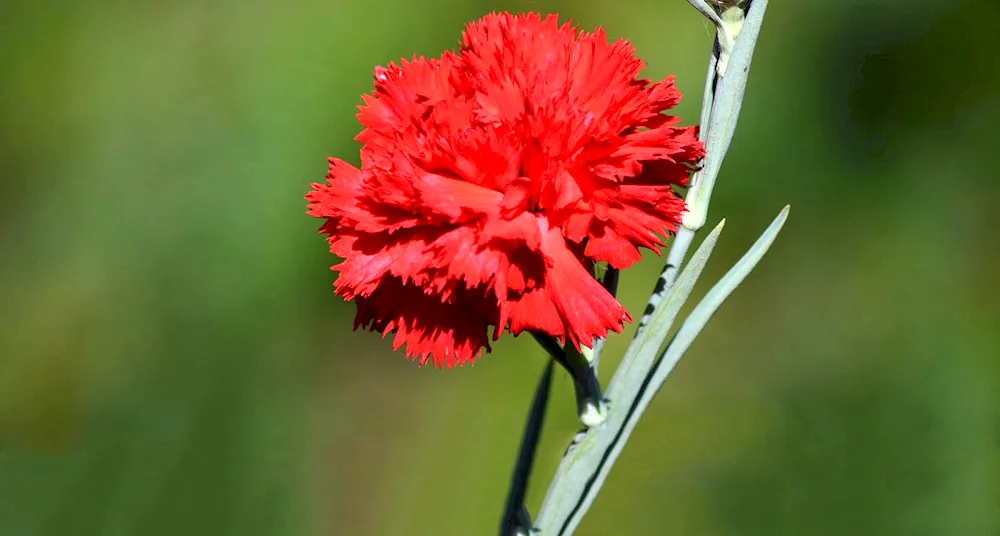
x: 493, y: 179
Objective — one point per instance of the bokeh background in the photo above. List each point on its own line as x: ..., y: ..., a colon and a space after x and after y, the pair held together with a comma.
x: 173, y: 361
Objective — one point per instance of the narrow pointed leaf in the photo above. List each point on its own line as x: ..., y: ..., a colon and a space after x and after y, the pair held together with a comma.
x: 681, y: 342
x: 701, y: 314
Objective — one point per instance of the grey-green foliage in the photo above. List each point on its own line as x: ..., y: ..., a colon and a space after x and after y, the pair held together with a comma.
x: 592, y: 454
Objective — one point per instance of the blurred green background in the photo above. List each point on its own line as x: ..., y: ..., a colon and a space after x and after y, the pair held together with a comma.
x: 173, y: 361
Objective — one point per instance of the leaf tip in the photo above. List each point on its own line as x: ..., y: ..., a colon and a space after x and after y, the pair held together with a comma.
x: 783, y: 215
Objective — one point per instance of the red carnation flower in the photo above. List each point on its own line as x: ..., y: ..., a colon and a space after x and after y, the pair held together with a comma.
x: 491, y: 180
